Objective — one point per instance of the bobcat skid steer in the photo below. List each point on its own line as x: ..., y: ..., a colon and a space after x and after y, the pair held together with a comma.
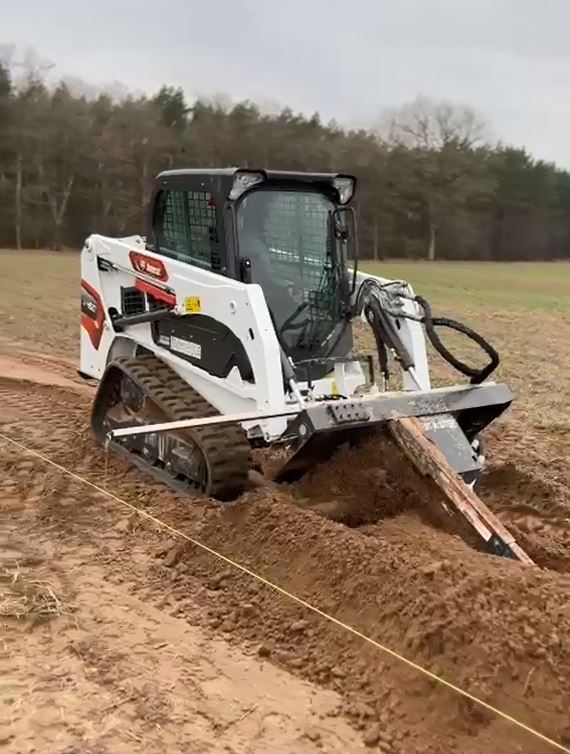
x: 229, y: 327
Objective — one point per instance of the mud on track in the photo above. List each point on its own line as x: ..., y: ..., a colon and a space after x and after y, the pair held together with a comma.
x: 496, y: 628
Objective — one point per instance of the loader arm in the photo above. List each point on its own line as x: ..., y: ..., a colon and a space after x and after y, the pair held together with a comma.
x: 409, y: 331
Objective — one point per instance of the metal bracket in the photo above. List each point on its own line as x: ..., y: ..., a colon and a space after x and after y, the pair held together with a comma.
x: 348, y: 411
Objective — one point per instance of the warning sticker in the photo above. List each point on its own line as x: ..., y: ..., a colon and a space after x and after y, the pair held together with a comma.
x: 192, y: 305
x: 194, y: 350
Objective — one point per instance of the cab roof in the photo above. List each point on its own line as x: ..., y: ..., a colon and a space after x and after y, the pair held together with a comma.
x: 269, y: 174
x: 219, y: 181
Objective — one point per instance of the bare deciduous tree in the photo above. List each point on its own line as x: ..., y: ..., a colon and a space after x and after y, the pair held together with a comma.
x: 428, y: 124
x: 30, y: 68
x: 443, y: 136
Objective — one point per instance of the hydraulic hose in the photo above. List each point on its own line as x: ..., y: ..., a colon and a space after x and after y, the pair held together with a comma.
x: 476, y: 376
x: 382, y: 293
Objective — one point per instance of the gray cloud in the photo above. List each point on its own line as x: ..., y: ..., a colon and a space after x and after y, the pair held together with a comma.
x: 509, y: 59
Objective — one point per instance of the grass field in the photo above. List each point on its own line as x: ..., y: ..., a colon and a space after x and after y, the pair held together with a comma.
x: 524, y: 309
x: 466, y: 285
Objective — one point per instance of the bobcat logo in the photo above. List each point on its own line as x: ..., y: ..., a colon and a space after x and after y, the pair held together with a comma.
x: 148, y: 266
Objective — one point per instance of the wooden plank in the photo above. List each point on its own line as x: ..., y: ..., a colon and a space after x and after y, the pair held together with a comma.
x: 145, y: 429
x: 410, y: 435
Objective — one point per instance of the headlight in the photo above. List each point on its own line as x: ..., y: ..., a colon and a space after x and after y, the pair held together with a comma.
x: 344, y: 184
x: 244, y: 180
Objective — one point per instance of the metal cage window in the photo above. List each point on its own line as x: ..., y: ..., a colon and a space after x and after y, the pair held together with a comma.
x: 189, y: 228
x: 296, y: 234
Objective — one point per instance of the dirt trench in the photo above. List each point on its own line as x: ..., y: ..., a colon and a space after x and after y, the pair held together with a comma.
x: 496, y: 628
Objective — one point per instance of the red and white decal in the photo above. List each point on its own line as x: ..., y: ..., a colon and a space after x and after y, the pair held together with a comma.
x: 92, y: 313
x: 149, y: 266
x: 154, y: 290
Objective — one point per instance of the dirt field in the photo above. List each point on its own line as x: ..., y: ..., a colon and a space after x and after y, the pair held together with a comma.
x: 117, y: 637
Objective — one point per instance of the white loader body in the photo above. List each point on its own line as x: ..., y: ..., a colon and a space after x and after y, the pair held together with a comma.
x: 109, y: 264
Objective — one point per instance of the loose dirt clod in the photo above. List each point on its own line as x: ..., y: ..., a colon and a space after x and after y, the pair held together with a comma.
x: 372, y: 735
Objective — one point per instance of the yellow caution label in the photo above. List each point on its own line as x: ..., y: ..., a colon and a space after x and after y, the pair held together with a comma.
x: 192, y: 305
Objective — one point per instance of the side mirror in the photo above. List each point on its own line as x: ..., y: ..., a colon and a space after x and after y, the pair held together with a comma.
x: 245, y: 270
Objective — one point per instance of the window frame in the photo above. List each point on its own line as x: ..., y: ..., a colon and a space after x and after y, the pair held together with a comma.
x: 216, y: 263
x: 292, y: 188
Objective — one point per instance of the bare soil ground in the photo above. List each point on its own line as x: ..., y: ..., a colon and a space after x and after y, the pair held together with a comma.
x: 119, y: 637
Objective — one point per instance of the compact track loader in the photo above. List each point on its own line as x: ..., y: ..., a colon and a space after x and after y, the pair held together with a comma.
x: 230, y: 327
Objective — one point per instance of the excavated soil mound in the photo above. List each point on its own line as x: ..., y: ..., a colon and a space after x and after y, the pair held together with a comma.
x: 441, y: 611
x: 366, y: 483
x: 528, y: 486
x: 362, y: 485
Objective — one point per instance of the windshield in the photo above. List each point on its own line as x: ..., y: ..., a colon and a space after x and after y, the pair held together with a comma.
x: 286, y: 236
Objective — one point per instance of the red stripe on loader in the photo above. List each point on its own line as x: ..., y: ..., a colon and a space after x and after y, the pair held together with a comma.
x: 154, y: 290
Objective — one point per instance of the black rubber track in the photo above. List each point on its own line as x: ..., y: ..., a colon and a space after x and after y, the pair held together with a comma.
x: 225, y: 448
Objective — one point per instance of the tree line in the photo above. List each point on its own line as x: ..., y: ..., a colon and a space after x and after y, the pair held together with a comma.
x: 429, y: 185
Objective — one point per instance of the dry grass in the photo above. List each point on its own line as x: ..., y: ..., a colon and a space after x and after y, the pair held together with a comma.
x: 496, y: 286
x: 25, y: 598
x: 39, y: 300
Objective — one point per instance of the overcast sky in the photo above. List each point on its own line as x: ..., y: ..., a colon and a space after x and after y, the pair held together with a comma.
x: 349, y: 59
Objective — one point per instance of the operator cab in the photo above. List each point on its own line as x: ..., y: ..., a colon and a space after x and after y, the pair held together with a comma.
x: 290, y: 233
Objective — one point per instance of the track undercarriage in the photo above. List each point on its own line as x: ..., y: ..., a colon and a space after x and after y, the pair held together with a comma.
x: 139, y: 391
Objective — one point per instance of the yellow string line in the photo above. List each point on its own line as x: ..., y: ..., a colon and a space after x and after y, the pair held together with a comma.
x: 295, y: 598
